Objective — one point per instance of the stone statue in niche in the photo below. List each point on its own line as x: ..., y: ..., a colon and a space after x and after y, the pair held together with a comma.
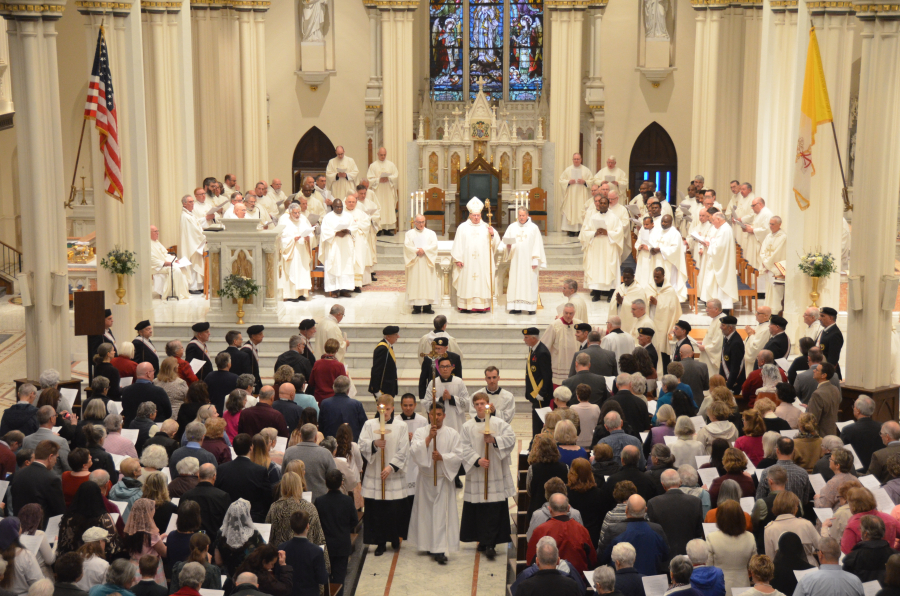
x: 313, y: 20
x: 655, y: 19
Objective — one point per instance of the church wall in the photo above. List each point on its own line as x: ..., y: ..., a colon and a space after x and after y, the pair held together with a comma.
x: 8, y: 192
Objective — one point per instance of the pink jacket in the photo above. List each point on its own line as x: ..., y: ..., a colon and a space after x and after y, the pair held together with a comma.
x: 852, y: 534
x: 231, y: 424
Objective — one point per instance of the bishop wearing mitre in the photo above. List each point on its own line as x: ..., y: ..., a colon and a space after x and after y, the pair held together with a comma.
x: 341, y: 174
x: 383, y: 176
x: 420, y: 248
x: 295, y: 253
x: 774, y: 250
x: 164, y: 274
x: 363, y: 256
x: 337, y: 253
x: 600, y: 239
x: 616, y: 177
x: 472, y: 253
x: 524, y: 250
x: 193, y: 242
x: 574, y: 187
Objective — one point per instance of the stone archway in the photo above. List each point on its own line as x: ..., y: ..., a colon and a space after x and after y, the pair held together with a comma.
x: 310, y: 156
x: 653, y: 157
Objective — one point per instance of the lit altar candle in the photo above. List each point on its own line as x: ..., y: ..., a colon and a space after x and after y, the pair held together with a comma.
x: 381, y: 417
x: 487, y: 420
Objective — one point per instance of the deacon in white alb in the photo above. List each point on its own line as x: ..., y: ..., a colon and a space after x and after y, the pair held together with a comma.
x: 719, y: 277
x: 757, y: 228
x: 671, y: 247
x: 341, y: 173
x: 337, y: 254
x: 713, y: 342
x: 193, y: 242
x: 420, y: 247
x: 383, y: 177
x: 472, y: 252
x: 560, y: 340
x: 600, y: 239
x: 525, y: 254
x: 414, y: 422
x: 503, y: 403
x: 451, y: 391
x: 363, y: 256
x: 434, y: 525
x: 296, y: 251
x: 774, y: 250
x: 163, y: 271
x: 574, y: 187
x: 616, y: 177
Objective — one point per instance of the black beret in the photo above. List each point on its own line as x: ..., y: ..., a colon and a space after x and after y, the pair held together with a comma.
x: 107, y: 313
x: 780, y: 321
x: 441, y: 341
x: 254, y: 329
x: 531, y: 331
x: 307, y: 324
x: 648, y: 331
x: 828, y: 311
x: 583, y: 327
x: 390, y: 330
x: 684, y: 325
x: 200, y: 327
x: 142, y: 325
x: 728, y: 320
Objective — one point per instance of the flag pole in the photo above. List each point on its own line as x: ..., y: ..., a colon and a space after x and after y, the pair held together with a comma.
x: 72, y: 191
x: 847, y: 205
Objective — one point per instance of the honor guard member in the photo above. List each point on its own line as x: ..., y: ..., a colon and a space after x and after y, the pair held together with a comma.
x: 94, y: 341
x: 197, y: 349
x: 779, y: 343
x: 831, y: 341
x: 645, y: 340
x: 732, y: 365
x: 144, y: 350
x: 680, y: 331
x: 307, y: 329
x: 383, y: 377
x: 255, y: 335
x: 581, y: 335
x: 441, y: 350
x: 538, y: 376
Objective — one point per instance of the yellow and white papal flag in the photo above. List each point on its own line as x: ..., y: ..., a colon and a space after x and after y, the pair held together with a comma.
x: 815, y: 109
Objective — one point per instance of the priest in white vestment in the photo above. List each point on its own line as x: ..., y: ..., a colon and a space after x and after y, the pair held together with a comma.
x: 671, y: 247
x: 772, y: 251
x: 574, y: 187
x: 699, y: 234
x: 420, y: 248
x: 687, y: 211
x: 274, y: 199
x: 741, y: 209
x: 648, y: 254
x: 305, y: 211
x: 363, y: 256
x: 236, y: 199
x: 757, y: 337
x: 341, y: 173
x: 313, y: 199
x: 257, y: 211
x: 437, y: 452
x: 322, y: 193
x: 640, y: 318
x: 164, y: 273
x: 368, y: 202
x: 620, y: 211
x: 473, y: 253
x: 616, y: 177
x: 230, y: 186
x: 384, y: 177
x: 524, y: 251
x: 571, y: 295
x: 329, y: 328
x: 205, y: 208
x: 600, y: 237
x: 626, y: 293
x: 451, y: 391
x: 560, y: 340
x: 813, y: 329
x: 238, y: 211
x: 712, y: 344
x: 616, y: 340
x: 665, y: 310
x: 756, y: 228
x: 192, y: 242
x: 720, y: 265
x: 296, y: 254
x: 337, y: 251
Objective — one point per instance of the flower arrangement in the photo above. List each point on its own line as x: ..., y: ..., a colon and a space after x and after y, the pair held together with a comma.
x: 817, y: 264
x: 120, y: 262
x: 238, y: 286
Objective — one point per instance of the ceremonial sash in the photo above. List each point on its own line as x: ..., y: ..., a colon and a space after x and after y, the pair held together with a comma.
x: 391, y: 352
x: 199, y: 344
x: 537, y: 386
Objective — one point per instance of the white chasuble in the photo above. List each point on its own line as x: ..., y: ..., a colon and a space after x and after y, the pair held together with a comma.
x: 720, y: 269
x: 760, y: 224
x: 164, y: 276
x: 371, y: 208
x: 602, y: 257
x: 711, y: 354
x: 616, y: 177
x: 560, y: 340
x: 434, y: 523
x: 422, y: 284
x: 273, y: 202
x: 456, y: 407
x: 412, y: 469
x: 317, y: 202
x: 622, y: 213
x: 387, y: 190
x: 773, y: 250
x: 328, y: 329
x: 754, y: 343
x: 581, y: 307
x: 202, y: 209
x: 340, y: 187
x: 295, y: 255
x: 629, y: 294
x: 337, y: 253
x: 665, y: 313
x: 741, y: 209
x: 193, y: 242
x: 396, y: 453
x: 525, y: 253
x: 499, y: 477
x: 646, y: 261
x: 362, y: 256
x: 473, y: 247
x: 671, y: 247
x: 576, y: 197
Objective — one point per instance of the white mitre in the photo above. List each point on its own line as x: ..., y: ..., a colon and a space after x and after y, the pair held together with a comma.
x: 475, y: 205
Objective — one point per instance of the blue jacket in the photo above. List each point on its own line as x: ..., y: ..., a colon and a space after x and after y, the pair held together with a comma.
x: 338, y: 409
x: 563, y: 567
x: 710, y: 581
x: 308, y: 563
x: 107, y: 589
x: 653, y: 548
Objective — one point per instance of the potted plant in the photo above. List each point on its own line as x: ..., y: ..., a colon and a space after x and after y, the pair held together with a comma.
x: 239, y: 288
x: 816, y: 265
x: 122, y: 263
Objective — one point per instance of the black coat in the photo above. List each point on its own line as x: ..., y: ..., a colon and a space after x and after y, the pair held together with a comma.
x: 254, y: 367
x: 307, y: 563
x: 240, y: 361
x: 290, y: 410
x: 219, y: 384
x: 733, y: 359
x: 680, y: 515
x: 143, y: 425
x: 102, y: 460
x: 21, y: 417
x: 636, y: 414
x: 139, y: 392
x: 167, y: 442
x: 428, y: 366
x: 142, y: 353
x: 599, y: 393
x: 831, y: 342
x: 338, y: 516
x: 67, y: 589
x: 542, y: 370
x: 383, y: 376
x: 867, y: 560
x: 676, y: 352
x: 541, y: 472
x: 37, y: 484
x: 213, y: 503
x: 798, y: 365
x: 548, y: 581
x: 778, y: 345
x: 298, y: 362
x: 243, y: 479
x: 644, y: 484
x: 105, y: 369
x: 865, y: 437
x: 603, y: 361
x: 308, y: 354
x: 192, y: 352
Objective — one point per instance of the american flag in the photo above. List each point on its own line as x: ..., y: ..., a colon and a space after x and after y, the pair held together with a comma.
x: 101, y: 107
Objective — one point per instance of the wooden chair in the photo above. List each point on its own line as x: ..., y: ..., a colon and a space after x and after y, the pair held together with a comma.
x: 748, y: 284
x: 318, y: 271
x: 435, y: 201
x: 537, y: 206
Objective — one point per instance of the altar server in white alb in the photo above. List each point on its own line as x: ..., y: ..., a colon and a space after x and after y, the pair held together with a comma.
x: 600, y: 239
x: 647, y: 247
x: 472, y: 252
x: 341, y: 173
x: 414, y: 421
x: 420, y: 249
x: 384, y: 483
x: 503, y: 403
x: 574, y: 187
x: 524, y: 250
x: 485, y: 520
x: 363, y: 256
x: 192, y: 243
x: 436, y: 450
x: 337, y: 252
x: 383, y: 177
x: 164, y: 273
x: 719, y: 277
x: 772, y: 251
x: 616, y: 177
x: 296, y: 253
x: 451, y: 391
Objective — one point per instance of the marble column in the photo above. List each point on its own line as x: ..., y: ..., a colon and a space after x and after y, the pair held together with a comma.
x: 749, y: 91
x: 374, y: 97
x: 594, y: 96
x: 6, y: 102
x: 252, y: 84
x: 31, y: 31
x: 876, y: 189
x: 566, y: 33
x: 705, y: 140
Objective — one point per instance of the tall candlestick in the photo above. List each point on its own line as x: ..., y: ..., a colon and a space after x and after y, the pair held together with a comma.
x: 381, y: 417
x: 487, y: 420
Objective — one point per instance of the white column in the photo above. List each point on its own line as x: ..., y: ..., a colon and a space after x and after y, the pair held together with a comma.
x: 261, y: 104
x: 246, y: 84
x: 704, y: 134
x: 594, y: 92
x: 749, y: 95
x: 876, y: 188
x: 31, y: 33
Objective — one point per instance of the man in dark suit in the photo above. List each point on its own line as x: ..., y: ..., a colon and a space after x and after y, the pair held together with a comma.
x: 337, y: 513
x: 263, y: 415
x: 164, y: 437
x: 679, y: 514
x: 251, y: 348
x: 339, y: 409
x: 213, y: 502
x: 21, y: 416
x: 631, y: 459
x: 636, y: 415
x: 144, y: 350
x: 307, y: 329
x: 143, y: 390
x: 222, y: 382
x: 196, y: 349
x: 805, y: 384
x: 306, y: 559
x: 294, y: 358
x: 801, y: 362
x: 38, y: 483
x: 286, y: 406
x: 243, y: 479
x: 680, y: 332
x: 778, y: 343
x: 94, y: 341
x: 696, y: 374
x: 732, y: 365
x: 603, y: 361
x: 240, y: 360
x: 864, y: 435
x: 383, y: 376
x: 825, y: 402
x: 429, y: 365
x: 645, y: 340
x: 538, y: 376
x: 582, y: 362
x: 890, y: 436
x: 831, y: 342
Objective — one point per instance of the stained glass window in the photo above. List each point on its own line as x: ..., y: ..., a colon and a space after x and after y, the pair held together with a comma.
x: 446, y: 21
x: 526, y: 49
x: 486, y: 47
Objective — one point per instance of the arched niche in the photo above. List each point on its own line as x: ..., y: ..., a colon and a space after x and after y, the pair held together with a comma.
x: 653, y: 157
x: 310, y: 156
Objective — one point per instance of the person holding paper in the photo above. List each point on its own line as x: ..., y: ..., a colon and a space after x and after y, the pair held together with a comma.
x: 600, y: 238
x: 829, y: 579
x: 524, y: 251
x: 648, y: 255
x: 574, y: 188
x: 192, y: 243
x: 175, y: 350
x: 719, y: 279
x: 337, y: 251
x: 367, y: 202
x: 756, y: 227
x: 197, y: 349
x: 296, y: 250
x: 166, y: 270
x: 383, y: 177
x: 363, y: 255
x: 732, y: 365
x: 620, y: 211
x: 699, y: 233
x: 341, y: 174
x: 774, y: 250
x: 615, y: 176
x: 420, y: 247
x: 741, y: 209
